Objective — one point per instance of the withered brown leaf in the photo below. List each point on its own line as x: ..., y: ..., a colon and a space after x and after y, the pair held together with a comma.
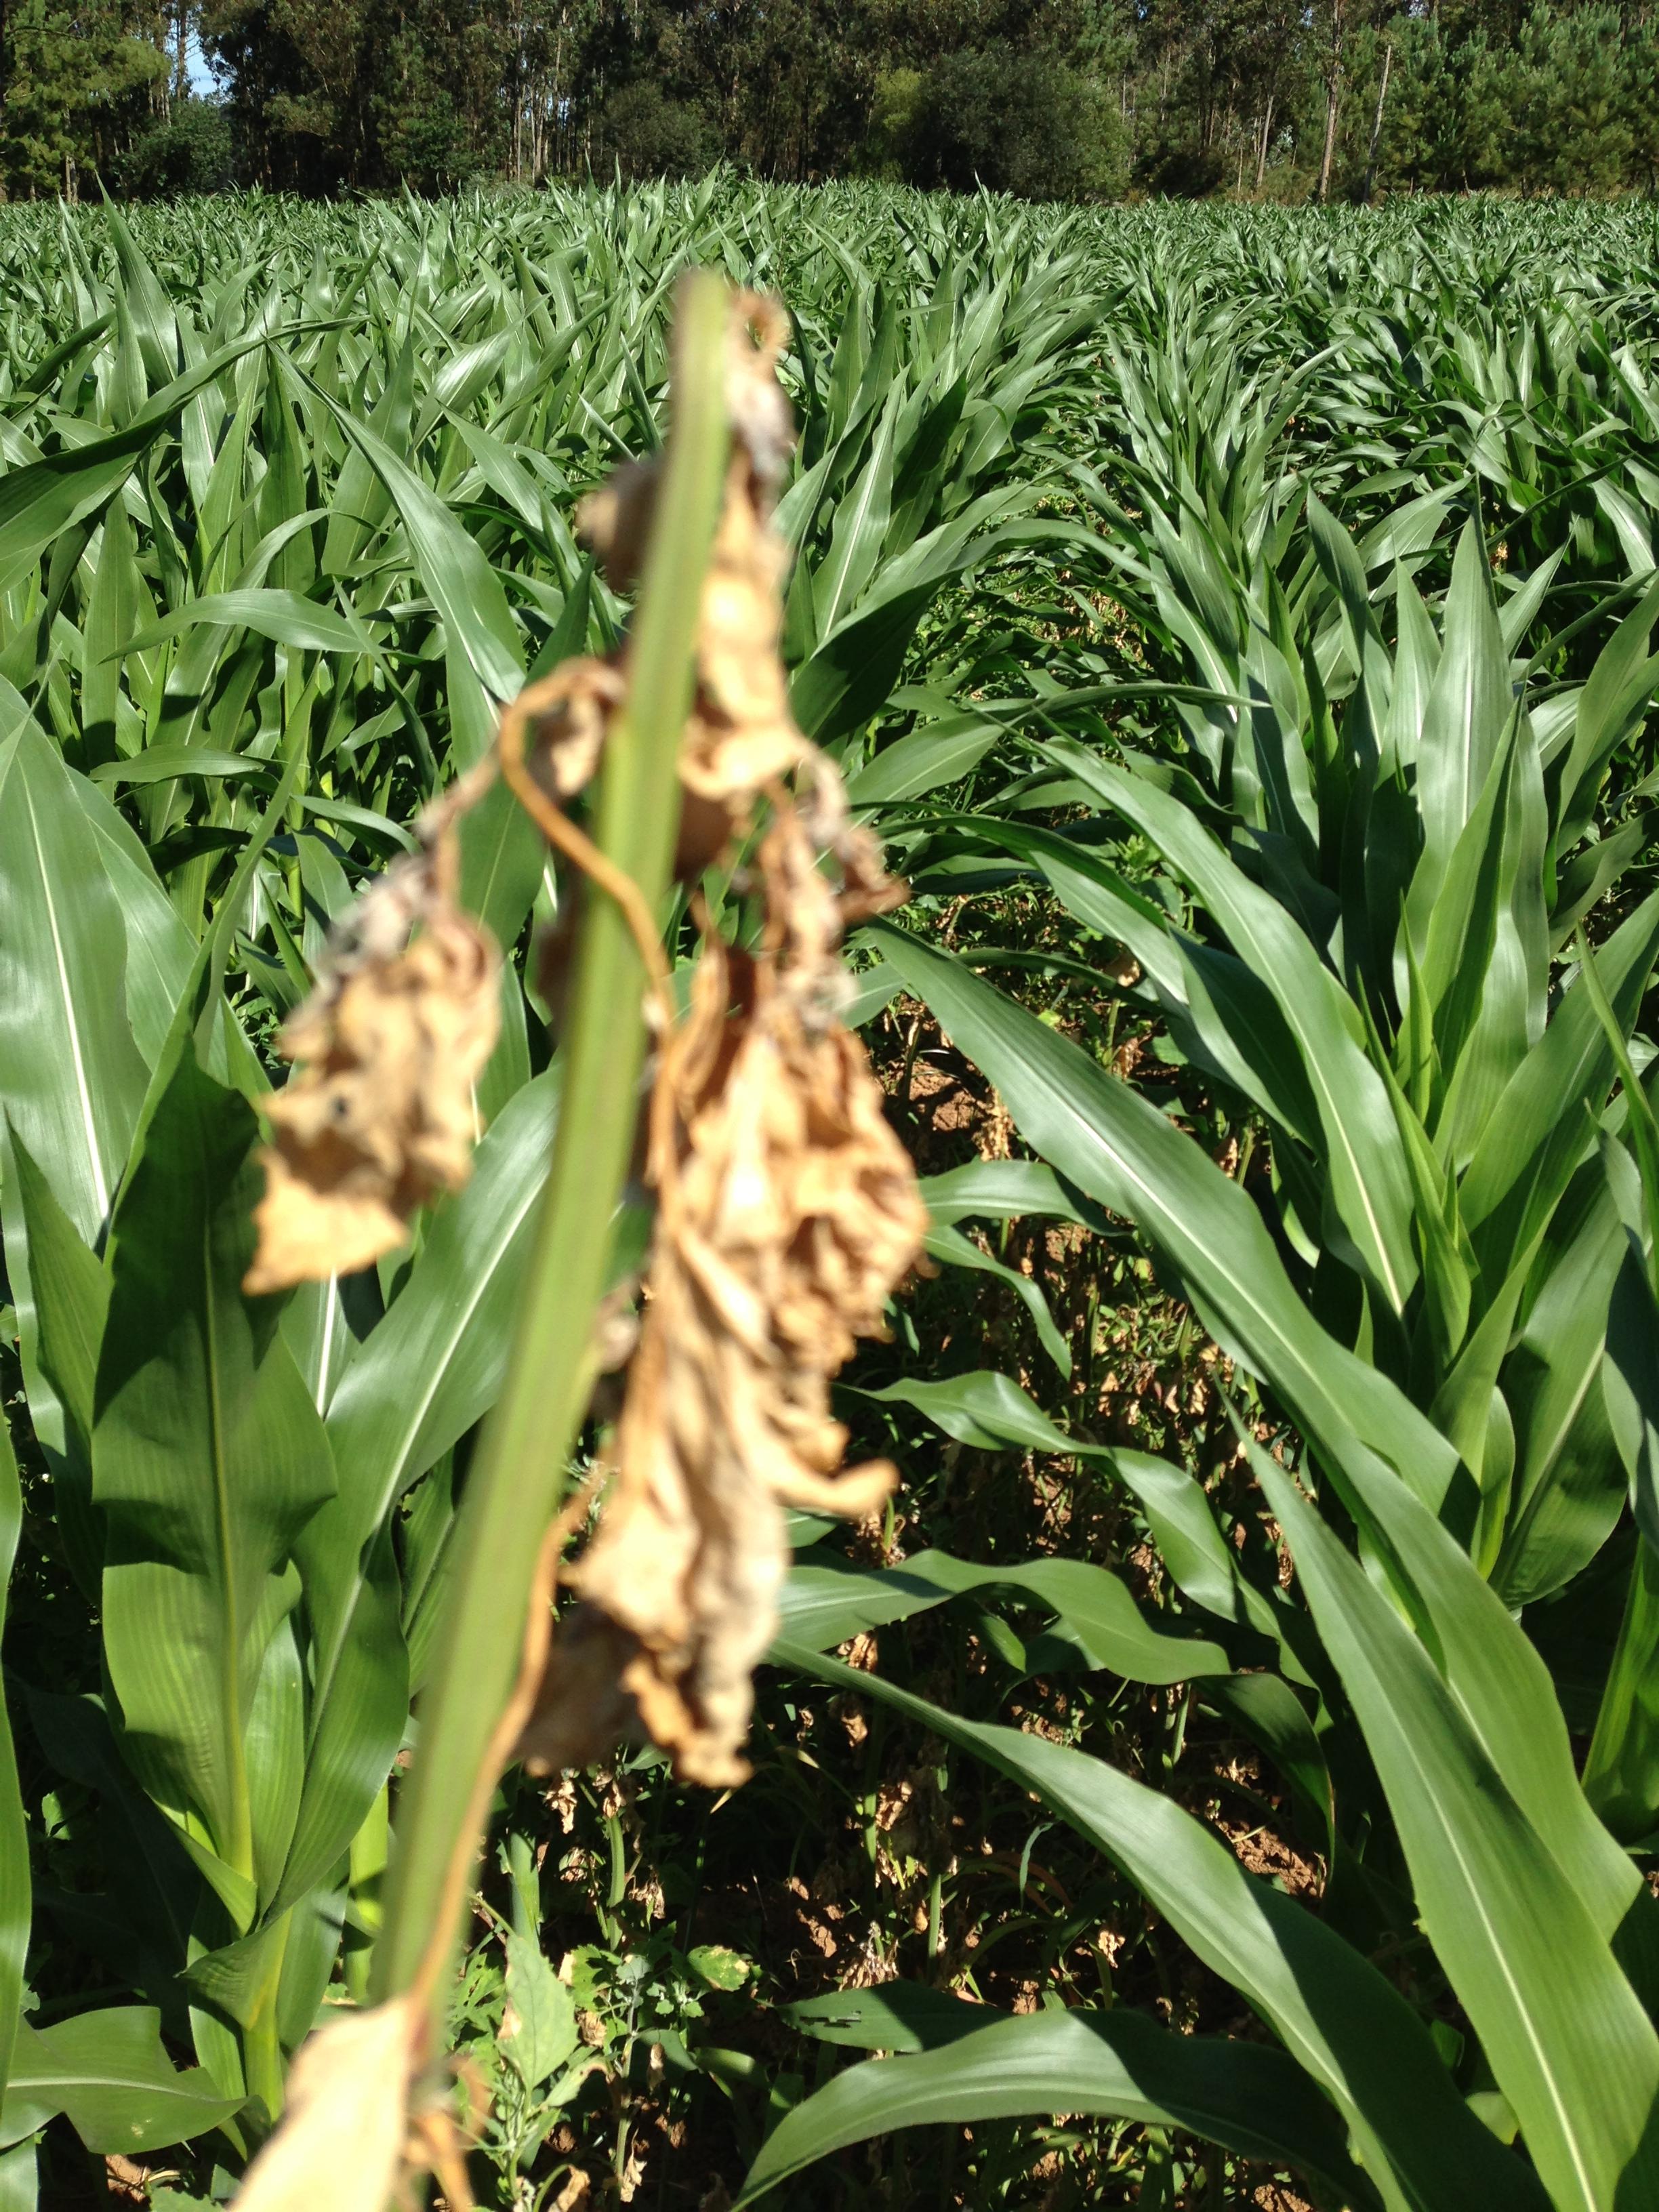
x: 340, y: 2146
x: 789, y: 1210
x: 789, y: 1213
x: 741, y: 734
x: 379, y: 1117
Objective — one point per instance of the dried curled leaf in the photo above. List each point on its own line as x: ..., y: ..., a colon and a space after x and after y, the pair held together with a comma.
x: 563, y: 721
x: 794, y: 1213
x: 340, y: 2146
x: 741, y: 735
x: 789, y: 1211
x: 380, y: 1117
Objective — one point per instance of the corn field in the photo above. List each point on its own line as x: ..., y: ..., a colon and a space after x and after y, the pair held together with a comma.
x: 830, y: 1247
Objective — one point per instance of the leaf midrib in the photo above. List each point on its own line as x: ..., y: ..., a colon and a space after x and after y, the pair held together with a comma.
x: 239, y: 1855
x: 101, y: 1178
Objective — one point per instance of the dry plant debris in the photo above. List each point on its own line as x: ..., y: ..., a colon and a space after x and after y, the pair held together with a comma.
x: 788, y: 1208
x: 380, y: 1117
x: 341, y: 2145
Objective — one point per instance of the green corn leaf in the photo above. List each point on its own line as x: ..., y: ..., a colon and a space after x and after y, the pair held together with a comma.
x: 1616, y: 697
x: 992, y: 1413
x: 1254, y: 2101
x: 72, y: 1080
x: 1345, y: 2025
x: 1505, y: 1697
x: 165, y: 763
x: 422, y: 1378
x: 1202, y: 1563
x: 109, y: 2075
x: 232, y: 1978
x: 1119, y: 1149
x: 160, y: 1891
x: 851, y: 672
x: 941, y: 753
x: 119, y: 602
x: 61, y: 1317
x: 861, y: 528
x: 893, y: 2017
x: 1467, y: 710
x: 1004, y: 1190
x: 16, y: 1900
x: 503, y: 866
x: 502, y: 859
x: 1275, y: 1717
x: 208, y: 1459
x: 988, y: 1411
x: 286, y: 617
x: 1096, y: 895
x: 1568, y: 1486
x: 1370, y: 1181
x: 409, y: 1390
x: 1592, y: 871
x: 19, y: 2177
x: 953, y: 1250
x: 40, y: 501
x: 1486, y: 946
x: 159, y: 947
x: 359, y: 1700
x: 828, y: 1603
x: 874, y: 988
x: 463, y: 587
x: 316, y: 1926
x: 1573, y: 2050
x: 1538, y: 1134
x: 140, y: 291
x: 1621, y: 1770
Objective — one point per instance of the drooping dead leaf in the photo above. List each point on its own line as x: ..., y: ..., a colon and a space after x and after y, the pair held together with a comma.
x: 561, y: 722
x: 794, y: 1215
x: 379, y: 1117
x: 340, y: 2146
x: 741, y: 734
x: 788, y: 1207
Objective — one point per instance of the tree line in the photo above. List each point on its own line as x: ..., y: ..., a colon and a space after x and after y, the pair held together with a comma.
x: 1066, y: 99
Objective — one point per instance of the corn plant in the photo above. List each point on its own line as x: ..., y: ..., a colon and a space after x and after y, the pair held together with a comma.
x: 1379, y: 988
x: 1238, y: 628
x: 1454, y: 1707
x: 1372, y: 855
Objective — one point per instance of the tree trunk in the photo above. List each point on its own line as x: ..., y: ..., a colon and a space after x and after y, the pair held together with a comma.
x: 181, y: 51
x: 1333, y: 96
x: 518, y: 100
x: 1262, y: 154
x: 556, y: 128
x: 1377, y: 121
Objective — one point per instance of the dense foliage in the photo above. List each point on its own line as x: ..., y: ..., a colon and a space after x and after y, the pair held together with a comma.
x: 1067, y: 99
x: 1227, y: 1774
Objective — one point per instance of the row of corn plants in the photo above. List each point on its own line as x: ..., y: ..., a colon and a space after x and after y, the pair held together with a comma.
x: 1238, y: 630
